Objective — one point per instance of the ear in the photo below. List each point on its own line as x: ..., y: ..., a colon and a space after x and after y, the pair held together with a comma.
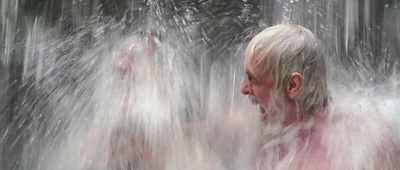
x: 294, y: 85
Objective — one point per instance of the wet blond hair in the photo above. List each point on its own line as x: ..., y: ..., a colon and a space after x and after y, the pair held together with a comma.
x: 284, y: 49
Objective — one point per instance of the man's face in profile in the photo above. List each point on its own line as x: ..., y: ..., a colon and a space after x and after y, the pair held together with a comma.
x: 259, y: 87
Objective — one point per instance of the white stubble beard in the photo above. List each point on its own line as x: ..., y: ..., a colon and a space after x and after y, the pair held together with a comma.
x: 275, y: 109
x: 275, y: 135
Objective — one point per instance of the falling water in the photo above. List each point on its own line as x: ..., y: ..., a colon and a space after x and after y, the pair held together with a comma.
x: 64, y: 104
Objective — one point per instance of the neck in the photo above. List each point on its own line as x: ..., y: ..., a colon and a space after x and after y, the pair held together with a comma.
x: 294, y: 114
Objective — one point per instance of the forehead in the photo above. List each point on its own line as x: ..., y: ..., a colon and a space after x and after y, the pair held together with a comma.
x: 255, y: 61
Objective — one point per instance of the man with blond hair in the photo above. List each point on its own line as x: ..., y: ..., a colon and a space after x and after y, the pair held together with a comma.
x: 286, y: 76
x: 286, y: 58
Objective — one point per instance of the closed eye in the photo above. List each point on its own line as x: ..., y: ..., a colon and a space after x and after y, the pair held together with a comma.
x: 251, y: 78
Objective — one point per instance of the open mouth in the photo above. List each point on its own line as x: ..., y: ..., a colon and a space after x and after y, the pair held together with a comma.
x: 263, y: 114
x: 262, y: 110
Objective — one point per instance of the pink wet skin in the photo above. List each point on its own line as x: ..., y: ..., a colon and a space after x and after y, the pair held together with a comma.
x: 316, y: 158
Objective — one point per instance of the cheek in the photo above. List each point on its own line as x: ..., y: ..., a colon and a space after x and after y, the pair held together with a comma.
x: 262, y: 93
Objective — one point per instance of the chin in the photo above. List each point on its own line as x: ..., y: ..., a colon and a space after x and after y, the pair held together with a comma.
x: 273, y: 115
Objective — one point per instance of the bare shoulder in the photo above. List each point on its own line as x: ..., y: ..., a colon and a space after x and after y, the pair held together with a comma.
x: 314, y: 155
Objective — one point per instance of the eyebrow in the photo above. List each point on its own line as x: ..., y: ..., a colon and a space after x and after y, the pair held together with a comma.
x: 251, y: 75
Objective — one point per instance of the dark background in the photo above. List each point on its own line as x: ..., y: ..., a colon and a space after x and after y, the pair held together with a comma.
x: 360, y: 34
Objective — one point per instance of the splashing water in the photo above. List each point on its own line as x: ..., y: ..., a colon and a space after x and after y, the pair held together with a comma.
x: 67, y: 105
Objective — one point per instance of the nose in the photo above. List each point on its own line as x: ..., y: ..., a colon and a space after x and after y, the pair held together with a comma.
x: 245, y: 88
x: 124, y: 66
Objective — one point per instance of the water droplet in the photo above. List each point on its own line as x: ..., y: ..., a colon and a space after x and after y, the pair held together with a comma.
x: 387, y: 5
